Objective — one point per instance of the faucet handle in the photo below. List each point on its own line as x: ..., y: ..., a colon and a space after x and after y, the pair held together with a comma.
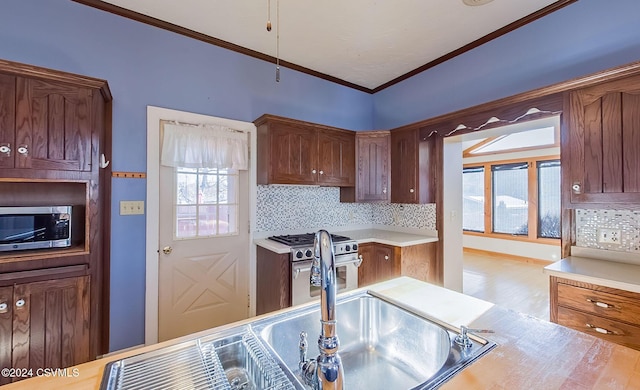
x: 303, y: 347
x: 463, y: 338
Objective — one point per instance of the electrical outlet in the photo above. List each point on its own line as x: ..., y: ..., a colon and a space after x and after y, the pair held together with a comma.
x: 131, y: 207
x: 609, y: 236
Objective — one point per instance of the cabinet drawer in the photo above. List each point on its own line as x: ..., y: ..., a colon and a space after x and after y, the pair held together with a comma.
x: 617, y: 332
x: 603, y: 304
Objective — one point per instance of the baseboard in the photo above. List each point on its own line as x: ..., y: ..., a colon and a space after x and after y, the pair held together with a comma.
x: 524, y: 259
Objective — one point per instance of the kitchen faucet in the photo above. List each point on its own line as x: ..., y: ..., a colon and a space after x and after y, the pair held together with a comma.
x: 325, y: 372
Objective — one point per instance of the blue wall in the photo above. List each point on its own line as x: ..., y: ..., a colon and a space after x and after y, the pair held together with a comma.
x: 148, y: 66
x: 582, y: 38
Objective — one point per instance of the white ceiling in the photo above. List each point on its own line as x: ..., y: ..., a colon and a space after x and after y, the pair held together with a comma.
x: 365, y: 42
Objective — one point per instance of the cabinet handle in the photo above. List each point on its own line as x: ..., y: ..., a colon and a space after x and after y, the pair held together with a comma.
x: 313, y: 171
x: 600, y: 330
x: 20, y: 303
x: 411, y: 190
x: 384, y: 190
x: 23, y: 150
x: 5, y: 149
x: 600, y: 304
x: 4, y: 307
x: 386, y: 257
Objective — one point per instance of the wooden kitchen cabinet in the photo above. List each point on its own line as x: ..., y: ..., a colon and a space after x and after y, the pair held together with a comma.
x: 378, y: 264
x: 46, y: 124
x: 273, y: 281
x: 411, y: 160
x: 383, y: 262
x: 601, y: 143
x: 44, y: 324
x: 604, y: 312
x: 373, y: 176
x: 297, y: 152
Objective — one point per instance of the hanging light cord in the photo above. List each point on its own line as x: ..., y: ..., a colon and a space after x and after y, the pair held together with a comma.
x: 278, y: 41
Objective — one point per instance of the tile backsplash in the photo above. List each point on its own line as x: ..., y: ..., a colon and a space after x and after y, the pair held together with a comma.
x: 627, y: 221
x: 307, y: 207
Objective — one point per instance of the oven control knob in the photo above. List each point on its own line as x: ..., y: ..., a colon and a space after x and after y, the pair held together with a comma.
x: 299, y: 254
x: 347, y: 248
x: 355, y: 247
x: 308, y: 253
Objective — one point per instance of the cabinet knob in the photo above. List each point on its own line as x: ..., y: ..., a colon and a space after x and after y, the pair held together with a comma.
x: 20, y: 303
x: 576, y: 188
x: 4, y: 307
x: 322, y: 172
x: 23, y: 150
x: 314, y: 171
x: 386, y: 257
x: 411, y: 190
x: 5, y: 149
x: 384, y: 190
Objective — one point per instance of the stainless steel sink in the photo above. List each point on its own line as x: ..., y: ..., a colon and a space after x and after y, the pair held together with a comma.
x: 382, y: 346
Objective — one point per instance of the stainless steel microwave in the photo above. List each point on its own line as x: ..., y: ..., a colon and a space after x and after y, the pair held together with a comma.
x: 34, y: 227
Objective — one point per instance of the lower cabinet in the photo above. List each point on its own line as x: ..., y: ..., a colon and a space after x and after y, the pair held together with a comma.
x: 604, y: 312
x: 273, y: 281
x: 383, y: 262
x: 44, y: 324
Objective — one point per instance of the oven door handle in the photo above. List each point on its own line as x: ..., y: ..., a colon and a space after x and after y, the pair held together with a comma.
x: 358, y: 263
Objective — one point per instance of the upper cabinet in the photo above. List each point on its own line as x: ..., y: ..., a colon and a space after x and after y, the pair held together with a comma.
x: 601, y: 143
x: 411, y: 163
x: 373, y: 176
x: 296, y: 152
x: 45, y: 124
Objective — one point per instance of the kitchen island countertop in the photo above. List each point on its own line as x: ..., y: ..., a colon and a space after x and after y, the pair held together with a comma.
x: 531, y: 353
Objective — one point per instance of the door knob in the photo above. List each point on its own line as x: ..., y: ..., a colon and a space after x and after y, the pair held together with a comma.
x: 167, y: 250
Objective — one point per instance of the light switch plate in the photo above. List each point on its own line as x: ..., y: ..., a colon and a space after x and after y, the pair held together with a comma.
x: 609, y: 236
x: 131, y: 207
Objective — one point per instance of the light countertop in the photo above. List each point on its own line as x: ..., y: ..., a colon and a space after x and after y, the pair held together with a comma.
x: 586, y: 267
x: 363, y: 236
x: 530, y: 353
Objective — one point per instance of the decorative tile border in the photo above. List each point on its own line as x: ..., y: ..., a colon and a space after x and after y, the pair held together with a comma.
x: 302, y: 207
x: 589, y: 221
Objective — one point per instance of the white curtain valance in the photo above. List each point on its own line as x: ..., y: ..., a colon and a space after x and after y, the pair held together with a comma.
x: 204, y: 146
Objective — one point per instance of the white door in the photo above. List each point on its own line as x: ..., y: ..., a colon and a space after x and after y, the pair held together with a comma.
x: 203, y: 275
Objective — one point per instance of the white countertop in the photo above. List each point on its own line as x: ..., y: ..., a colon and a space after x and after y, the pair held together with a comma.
x: 614, y: 274
x: 362, y: 236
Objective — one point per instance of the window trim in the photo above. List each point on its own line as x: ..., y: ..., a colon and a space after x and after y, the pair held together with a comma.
x: 532, y: 190
x: 468, y: 152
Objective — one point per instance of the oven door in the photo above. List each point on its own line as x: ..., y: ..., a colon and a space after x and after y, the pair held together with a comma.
x: 301, y: 289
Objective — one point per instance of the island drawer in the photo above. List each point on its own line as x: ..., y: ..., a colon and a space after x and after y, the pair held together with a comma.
x: 601, y: 303
x: 614, y: 331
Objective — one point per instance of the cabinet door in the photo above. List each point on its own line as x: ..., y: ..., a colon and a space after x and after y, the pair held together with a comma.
x: 53, y: 126
x: 336, y: 158
x: 6, y: 330
x: 385, y: 262
x: 373, y: 180
x: 367, y: 272
x: 51, y: 323
x: 404, y: 166
x: 7, y: 120
x: 273, y: 282
x: 604, y: 143
x: 293, y: 154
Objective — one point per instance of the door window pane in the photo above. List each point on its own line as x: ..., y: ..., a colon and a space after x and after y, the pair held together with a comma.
x: 549, y: 199
x: 206, y: 202
x: 473, y: 199
x: 510, y: 198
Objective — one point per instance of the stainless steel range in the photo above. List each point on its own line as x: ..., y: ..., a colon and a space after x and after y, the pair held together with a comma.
x: 347, y: 263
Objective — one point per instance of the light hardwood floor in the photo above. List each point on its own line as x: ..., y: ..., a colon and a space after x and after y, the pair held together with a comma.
x: 512, y: 284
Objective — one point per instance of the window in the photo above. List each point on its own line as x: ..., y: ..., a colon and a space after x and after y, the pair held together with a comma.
x: 549, y: 199
x: 523, y: 196
x: 206, y: 202
x: 473, y: 199
x: 510, y: 204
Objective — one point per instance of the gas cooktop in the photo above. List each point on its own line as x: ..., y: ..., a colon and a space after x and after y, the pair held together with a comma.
x: 305, y: 239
